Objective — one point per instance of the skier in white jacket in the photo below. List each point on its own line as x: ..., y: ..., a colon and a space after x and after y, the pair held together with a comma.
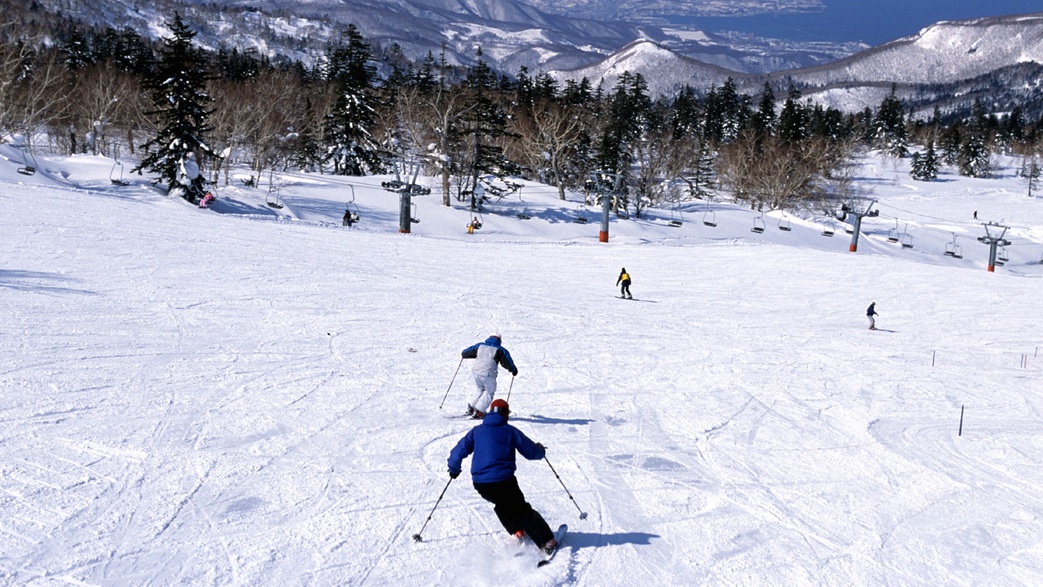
x: 487, y: 356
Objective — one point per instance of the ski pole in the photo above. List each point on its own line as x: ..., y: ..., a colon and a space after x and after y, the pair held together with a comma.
x: 416, y: 537
x: 509, y: 387
x: 582, y: 514
x: 451, y: 383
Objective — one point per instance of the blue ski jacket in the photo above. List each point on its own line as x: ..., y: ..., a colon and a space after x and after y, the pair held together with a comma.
x: 493, y: 443
x: 488, y: 355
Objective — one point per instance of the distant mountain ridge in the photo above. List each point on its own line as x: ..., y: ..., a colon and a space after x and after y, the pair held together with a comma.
x: 940, y: 58
x: 949, y: 53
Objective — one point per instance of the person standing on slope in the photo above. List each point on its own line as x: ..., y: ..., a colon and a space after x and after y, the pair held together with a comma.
x: 487, y: 355
x: 494, y: 443
x: 871, y: 314
x: 624, y: 278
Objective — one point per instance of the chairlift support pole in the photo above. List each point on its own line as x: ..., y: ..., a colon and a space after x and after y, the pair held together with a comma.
x: 994, y: 241
x: 606, y: 193
x: 859, y: 214
x: 405, y: 189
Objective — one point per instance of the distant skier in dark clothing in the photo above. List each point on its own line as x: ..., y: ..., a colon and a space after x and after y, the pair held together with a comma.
x: 624, y: 278
x: 494, y: 443
x: 871, y: 314
x: 487, y: 356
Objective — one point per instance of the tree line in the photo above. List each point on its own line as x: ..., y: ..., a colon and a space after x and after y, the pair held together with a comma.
x: 188, y: 115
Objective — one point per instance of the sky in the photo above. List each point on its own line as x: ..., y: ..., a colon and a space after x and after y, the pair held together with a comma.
x: 872, y: 23
x: 245, y: 395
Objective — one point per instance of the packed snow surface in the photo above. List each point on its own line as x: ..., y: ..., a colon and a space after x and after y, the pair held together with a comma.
x: 246, y: 395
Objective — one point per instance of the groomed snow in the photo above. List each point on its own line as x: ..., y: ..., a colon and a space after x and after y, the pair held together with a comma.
x: 251, y: 396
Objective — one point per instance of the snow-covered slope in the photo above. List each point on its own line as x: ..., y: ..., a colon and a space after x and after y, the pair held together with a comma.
x: 251, y: 396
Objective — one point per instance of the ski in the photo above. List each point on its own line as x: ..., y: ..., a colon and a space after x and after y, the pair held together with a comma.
x: 560, y: 537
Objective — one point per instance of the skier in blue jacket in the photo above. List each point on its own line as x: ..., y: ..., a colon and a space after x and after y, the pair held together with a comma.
x: 487, y: 356
x: 494, y: 443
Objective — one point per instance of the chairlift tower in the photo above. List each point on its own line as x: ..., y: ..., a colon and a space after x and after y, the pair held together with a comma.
x: 405, y: 185
x: 994, y: 238
x: 858, y: 214
x: 608, y: 187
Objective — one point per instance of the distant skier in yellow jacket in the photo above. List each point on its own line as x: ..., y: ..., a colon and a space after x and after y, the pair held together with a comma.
x: 624, y: 278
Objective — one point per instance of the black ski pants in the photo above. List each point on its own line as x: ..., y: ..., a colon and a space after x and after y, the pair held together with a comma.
x: 625, y: 290
x: 513, y: 511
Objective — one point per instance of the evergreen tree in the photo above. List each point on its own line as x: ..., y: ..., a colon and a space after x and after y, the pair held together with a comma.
x: 925, y: 165
x: 764, y: 120
x: 951, y: 140
x: 349, y: 144
x: 889, y: 132
x: 726, y: 113
x: 488, y: 126
x: 177, y: 88
x: 794, y: 123
x: 627, y: 109
x: 700, y: 177
x: 687, y: 114
x: 974, y: 157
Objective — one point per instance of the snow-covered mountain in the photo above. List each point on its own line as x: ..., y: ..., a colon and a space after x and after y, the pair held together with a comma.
x: 996, y: 56
x: 941, y: 60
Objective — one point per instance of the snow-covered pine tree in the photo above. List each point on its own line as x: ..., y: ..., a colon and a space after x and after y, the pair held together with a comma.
x: 889, y: 132
x: 925, y: 165
x: 177, y: 87
x: 974, y: 156
x: 794, y: 121
x: 348, y: 142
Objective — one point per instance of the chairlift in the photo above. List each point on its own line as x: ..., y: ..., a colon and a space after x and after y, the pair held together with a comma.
x: 413, y: 217
x: 117, y: 178
x: 758, y: 224
x: 273, y: 199
x: 953, y: 250
x: 710, y: 218
x: 27, y: 168
x: 676, y: 221
x: 351, y: 210
x: 1001, y: 256
x: 893, y: 235
x: 784, y: 224
x: 828, y: 229
x: 580, y: 220
x: 907, y: 241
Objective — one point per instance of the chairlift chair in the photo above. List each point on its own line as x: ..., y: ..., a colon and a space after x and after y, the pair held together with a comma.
x: 828, y: 229
x: 784, y: 224
x: 273, y: 199
x: 710, y: 218
x: 907, y: 240
x: 893, y: 235
x: 117, y: 178
x: 413, y: 217
x: 27, y: 168
x: 1001, y: 256
x: 676, y: 221
x: 758, y: 224
x: 580, y: 220
x: 953, y: 250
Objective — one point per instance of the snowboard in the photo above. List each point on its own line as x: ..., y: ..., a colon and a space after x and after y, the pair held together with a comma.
x: 559, y: 535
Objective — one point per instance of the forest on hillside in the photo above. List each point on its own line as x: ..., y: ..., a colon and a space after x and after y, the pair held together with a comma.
x: 358, y: 109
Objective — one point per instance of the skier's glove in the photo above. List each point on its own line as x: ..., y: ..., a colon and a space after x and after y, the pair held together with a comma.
x: 453, y: 474
x: 515, y: 373
x: 540, y: 444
